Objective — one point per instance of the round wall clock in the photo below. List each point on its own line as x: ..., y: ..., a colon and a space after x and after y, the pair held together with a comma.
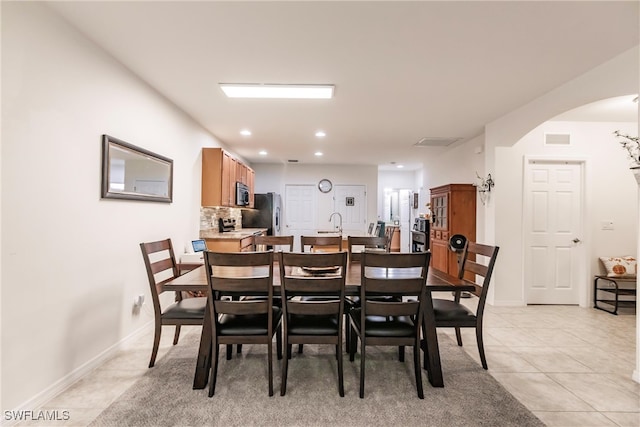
x: 325, y: 185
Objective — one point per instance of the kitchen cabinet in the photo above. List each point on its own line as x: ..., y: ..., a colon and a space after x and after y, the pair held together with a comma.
x: 453, y: 211
x: 234, y: 241
x: 220, y: 172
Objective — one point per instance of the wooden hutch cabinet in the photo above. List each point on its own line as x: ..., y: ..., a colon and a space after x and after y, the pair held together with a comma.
x: 453, y: 211
x: 220, y: 172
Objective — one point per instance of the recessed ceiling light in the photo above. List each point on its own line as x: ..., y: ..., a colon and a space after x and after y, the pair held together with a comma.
x: 318, y: 153
x: 245, y: 132
x: 277, y: 91
x: 400, y: 166
x: 321, y: 134
x: 263, y: 153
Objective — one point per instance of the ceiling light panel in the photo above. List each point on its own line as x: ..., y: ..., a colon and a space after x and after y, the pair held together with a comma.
x: 277, y: 91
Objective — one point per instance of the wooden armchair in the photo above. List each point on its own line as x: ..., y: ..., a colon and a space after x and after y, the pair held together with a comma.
x: 453, y: 314
x: 394, y: 321
x: 188, y: 311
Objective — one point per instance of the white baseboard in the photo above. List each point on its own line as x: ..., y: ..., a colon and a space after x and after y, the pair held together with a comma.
x: 507, y: 303
x: 72, y: 377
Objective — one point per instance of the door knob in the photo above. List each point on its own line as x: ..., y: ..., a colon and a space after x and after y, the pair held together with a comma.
x: 576, y: 240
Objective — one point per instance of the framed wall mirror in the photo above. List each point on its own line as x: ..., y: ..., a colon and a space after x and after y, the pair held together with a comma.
x: 130, y: 172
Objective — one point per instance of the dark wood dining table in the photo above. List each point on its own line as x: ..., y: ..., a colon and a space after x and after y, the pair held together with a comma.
x: 196, y: 280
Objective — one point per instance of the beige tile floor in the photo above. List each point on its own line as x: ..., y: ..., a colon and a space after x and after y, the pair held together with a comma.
x: 570, y: 366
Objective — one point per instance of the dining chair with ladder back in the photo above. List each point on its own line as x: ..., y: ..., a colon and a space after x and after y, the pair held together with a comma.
x: 233, y: 320
x: 451, y: 313
x: 309, y: 320
x: 390, y: 322
x: 370, y: 243
x: 323, y: 243
x: 161, y: 266
x: 277, y: 242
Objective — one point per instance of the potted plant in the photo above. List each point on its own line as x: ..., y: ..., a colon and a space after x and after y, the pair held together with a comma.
x: 632, y: 145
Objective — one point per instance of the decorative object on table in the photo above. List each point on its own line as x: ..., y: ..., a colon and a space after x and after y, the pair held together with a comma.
x: 325, y: 185
x: 632, y: 145
x: 484, y: 187
x: 149, y: 176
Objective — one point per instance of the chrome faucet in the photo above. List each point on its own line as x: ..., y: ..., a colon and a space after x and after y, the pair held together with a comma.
x: 340, y: 217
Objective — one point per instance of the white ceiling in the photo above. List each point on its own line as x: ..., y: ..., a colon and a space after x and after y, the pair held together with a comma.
x: 402, y: 70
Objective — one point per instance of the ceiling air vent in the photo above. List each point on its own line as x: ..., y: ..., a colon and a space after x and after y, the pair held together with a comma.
x: 292, y: 161
x: 557, y: 139
x: 436, y: 142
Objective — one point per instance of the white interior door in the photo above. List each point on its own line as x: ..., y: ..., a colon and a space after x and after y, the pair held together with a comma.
x: 351, y: 202
x: 553, y: 229
x: 300, y: 212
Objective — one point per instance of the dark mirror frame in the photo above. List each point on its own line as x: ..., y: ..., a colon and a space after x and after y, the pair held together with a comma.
x: 109, y: 142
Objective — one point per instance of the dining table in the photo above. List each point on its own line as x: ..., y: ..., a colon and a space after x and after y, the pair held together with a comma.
x: 196, y: 280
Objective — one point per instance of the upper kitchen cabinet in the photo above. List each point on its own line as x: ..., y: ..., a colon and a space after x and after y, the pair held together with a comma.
x: 453, y: 211
x: 220, y: 173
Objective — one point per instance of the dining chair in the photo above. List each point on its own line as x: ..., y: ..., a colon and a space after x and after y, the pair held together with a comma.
x: 275, y: 241
x: 451, y: 313
x: 236, y: 321
x: 390, y: 322
x: 163, y: 268
x: 367, y: 242
x: 314, y: 242
x: 310, y: 320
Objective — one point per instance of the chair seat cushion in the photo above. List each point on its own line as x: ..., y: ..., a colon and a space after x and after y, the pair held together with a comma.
x: 188, y: 308
x: 381, y: 326
x: 312, y: 325
x: 448, y: 310
x: 251, y: 324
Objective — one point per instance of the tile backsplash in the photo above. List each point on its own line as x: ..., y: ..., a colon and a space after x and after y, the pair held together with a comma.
x: 209, y: 216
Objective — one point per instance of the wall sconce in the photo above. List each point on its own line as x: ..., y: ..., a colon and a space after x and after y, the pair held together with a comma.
x: 484, y: 187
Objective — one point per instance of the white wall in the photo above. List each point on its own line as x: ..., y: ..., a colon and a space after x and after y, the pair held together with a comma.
x: 274, y: 177
x: 610, y: 194
x: 71, y: 263
x: 617, y: 77
x: 458, y: 165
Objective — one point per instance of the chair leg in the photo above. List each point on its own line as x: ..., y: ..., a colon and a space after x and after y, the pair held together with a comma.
x: 279, y: 343
x: 352, y: 344
x: 285, y: 362
x: 459, y: 336
x: 177, y: 335
x: 213, y: 375
x: 239, y: 349
x: 229, y: 351
x: 362, y: 356
x: 401, y: 353
x: 483, y: 359
x: 270, y: 361
x: 156, y: 344
x: 300, y: 348
x: 347, y: 333
x: 340, y: 370
x: 417, y: 368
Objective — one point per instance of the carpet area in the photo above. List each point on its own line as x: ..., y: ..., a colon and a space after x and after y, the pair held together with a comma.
x: 164, y: 395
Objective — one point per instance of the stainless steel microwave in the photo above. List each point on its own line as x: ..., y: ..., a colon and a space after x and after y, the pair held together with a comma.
x: 242, y: 194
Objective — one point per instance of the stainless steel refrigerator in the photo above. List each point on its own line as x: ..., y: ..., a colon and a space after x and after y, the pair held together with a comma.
x: 267, y: 213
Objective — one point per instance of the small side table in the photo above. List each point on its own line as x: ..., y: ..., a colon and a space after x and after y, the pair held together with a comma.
x: 610, y: 286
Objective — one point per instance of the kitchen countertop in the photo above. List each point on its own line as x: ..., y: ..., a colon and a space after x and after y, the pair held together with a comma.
x: 214, y: 234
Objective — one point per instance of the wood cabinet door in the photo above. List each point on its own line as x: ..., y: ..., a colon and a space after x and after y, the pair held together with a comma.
x: 211, y: 177
x: 251, y: 175
x: 227, y: 162
x: 440, y: 255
